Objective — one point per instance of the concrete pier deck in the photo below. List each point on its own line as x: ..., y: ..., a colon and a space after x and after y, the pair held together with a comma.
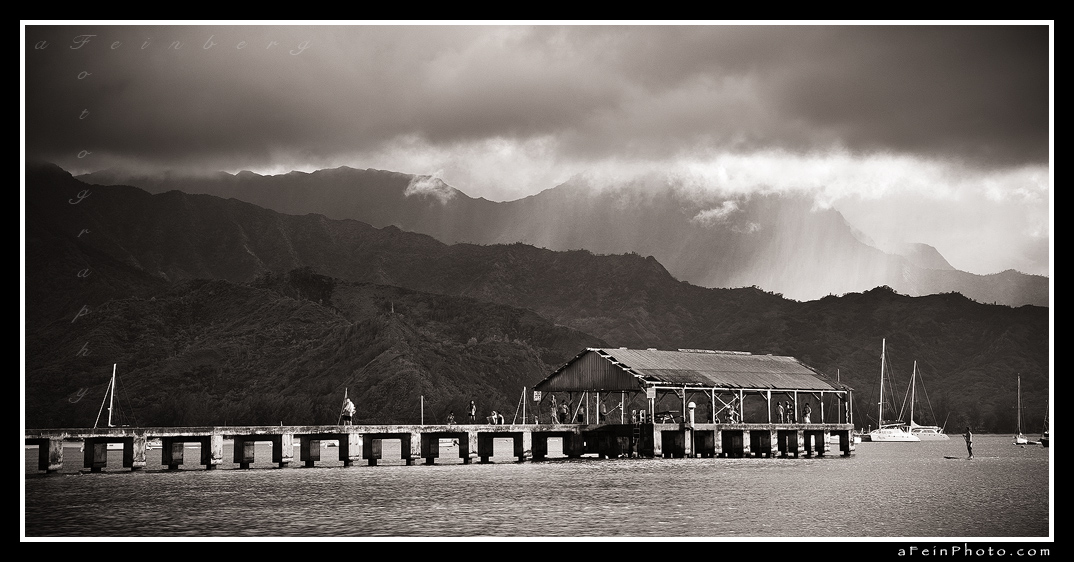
x: 475, y: 442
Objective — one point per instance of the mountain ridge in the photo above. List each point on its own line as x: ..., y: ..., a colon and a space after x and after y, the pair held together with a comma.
x: 780, y: 243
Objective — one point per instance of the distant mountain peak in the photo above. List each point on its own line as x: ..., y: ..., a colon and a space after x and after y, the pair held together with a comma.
x: 431, y: 186
x: 44, y: 168
x: 924, y: 256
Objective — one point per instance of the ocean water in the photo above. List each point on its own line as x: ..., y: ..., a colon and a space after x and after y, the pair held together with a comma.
x: 907, y: 490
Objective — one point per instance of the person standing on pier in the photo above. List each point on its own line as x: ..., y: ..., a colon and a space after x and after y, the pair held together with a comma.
x: 805, y: 413
x: 790, y: 412
x: 473, y: 412
x: 348, y: 412
x: 969, y: 441
x: 555, y: 409
x: 779, y: 411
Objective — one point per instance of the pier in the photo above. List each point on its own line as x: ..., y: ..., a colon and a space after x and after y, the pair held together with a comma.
x: 358, y: 443
x: 765, y: 401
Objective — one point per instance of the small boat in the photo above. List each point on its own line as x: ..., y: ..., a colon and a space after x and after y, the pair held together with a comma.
x: 153, y: 444
x: 891, y: 432
x: 1020, y: 438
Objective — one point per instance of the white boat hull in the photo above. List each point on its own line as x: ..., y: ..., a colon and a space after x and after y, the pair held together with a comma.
x: 892, y: 435
x: 1020, y: 440
x: 929, y: 433
x: 932, y: 436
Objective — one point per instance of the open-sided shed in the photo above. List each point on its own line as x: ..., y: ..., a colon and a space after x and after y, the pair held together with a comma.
x: 725, y: 378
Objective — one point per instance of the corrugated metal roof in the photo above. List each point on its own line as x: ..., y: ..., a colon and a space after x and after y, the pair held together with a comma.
x: 715, y: 369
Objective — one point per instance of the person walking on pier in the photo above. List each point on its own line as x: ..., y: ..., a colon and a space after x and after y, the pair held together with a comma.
x: 969, y: 441
x: 348, y: 412
x: 779, y: 411
x: 473, y: 412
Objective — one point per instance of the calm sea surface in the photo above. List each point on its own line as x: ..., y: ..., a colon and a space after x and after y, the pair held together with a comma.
x: 883, y: 490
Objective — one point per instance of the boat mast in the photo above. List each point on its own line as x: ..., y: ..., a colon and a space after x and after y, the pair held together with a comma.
x: 112, y: 395
x: 913, y: 379
x: 1019, y: 404
x: 880, y: 415
x: 109, y: 395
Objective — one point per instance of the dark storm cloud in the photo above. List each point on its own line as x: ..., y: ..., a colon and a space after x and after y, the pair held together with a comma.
x: 256, y: 97
x: 979, y: 93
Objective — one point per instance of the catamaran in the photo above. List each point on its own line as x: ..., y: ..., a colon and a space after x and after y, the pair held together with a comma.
x: 891, y: 432
x: 923, y: 432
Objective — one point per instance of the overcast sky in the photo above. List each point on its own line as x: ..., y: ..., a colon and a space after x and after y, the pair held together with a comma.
x: 926, y: 133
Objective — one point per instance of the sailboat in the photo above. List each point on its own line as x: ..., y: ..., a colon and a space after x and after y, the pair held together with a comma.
x: 1019, y: 438
x: 1044, y: 439
x: 894, y: 432
x: 923, y: 432
x: 109, y: 398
